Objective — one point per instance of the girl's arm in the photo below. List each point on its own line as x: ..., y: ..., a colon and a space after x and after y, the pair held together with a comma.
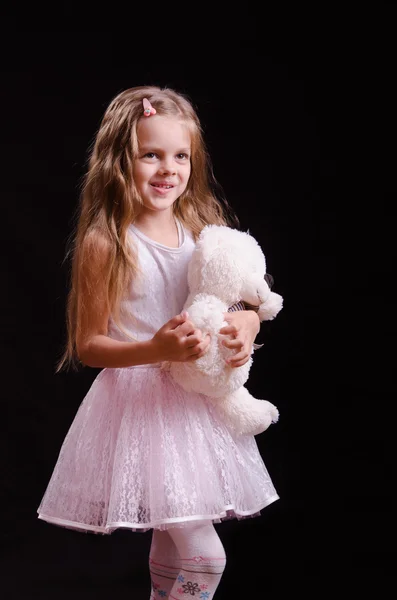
x: 243, y: 328
x: 177, y: 340
x: 101, y: 351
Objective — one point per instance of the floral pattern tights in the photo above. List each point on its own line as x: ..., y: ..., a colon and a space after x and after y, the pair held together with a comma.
x: 186, y: 562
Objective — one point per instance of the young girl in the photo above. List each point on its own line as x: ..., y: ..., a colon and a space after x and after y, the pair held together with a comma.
x: 141, y: 452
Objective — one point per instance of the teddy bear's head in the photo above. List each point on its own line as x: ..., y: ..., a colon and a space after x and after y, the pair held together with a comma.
x: 230, y: 265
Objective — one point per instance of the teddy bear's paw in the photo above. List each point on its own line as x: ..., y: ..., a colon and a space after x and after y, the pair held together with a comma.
x: 272, y: 411
x: 259, y: 420
x: 254, y: 427
x: 248, y: 426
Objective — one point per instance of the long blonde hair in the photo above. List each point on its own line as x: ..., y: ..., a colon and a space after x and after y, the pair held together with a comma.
x: 109, y: 201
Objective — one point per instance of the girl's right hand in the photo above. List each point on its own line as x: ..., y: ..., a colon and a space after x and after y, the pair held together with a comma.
x: 179, y: 341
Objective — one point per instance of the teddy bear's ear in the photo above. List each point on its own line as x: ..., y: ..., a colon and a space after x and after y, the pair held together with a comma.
x: 210, y: 239
x: 269, y: 280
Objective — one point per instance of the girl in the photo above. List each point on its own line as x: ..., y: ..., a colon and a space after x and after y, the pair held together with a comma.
x: 142, y: 453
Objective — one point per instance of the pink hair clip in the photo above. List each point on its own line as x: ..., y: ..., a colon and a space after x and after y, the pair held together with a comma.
x: 148, y: 108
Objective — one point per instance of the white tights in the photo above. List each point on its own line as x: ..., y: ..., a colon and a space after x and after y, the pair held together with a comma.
x: 185, y: 562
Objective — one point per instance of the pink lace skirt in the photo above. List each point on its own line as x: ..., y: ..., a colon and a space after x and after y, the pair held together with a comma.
x: 141, y: 453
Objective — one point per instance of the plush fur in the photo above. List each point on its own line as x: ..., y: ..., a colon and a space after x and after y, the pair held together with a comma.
x: 227, y: 266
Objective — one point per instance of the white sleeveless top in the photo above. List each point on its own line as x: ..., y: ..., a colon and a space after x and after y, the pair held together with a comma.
x: 159, y: 292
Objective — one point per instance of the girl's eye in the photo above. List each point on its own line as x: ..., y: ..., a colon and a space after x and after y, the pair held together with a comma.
x: 180, y: 156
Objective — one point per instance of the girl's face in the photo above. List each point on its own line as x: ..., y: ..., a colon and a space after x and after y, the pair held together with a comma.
x: 162, y: 167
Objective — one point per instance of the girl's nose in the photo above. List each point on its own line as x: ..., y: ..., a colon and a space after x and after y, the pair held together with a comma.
x: 167, y: 169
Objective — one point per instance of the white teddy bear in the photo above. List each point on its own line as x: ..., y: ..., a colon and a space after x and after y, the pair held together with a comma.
x: 227, y: 267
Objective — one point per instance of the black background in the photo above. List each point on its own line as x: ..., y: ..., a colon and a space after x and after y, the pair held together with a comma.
x: 298, y: 114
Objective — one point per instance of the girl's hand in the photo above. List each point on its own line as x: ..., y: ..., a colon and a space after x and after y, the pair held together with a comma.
x: 179, y: 341
x: 243, y: 327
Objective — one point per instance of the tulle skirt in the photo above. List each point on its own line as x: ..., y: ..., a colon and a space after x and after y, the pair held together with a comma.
x: 142, y: 453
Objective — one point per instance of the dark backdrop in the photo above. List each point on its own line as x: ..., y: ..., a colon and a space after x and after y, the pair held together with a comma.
x: 298, y: 119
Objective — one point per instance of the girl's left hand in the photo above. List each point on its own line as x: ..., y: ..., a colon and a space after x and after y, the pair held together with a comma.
x: 243, y: 327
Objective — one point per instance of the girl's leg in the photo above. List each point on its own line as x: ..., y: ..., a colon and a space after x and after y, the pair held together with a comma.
x: 164, y: 564
x: 203, y: 561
